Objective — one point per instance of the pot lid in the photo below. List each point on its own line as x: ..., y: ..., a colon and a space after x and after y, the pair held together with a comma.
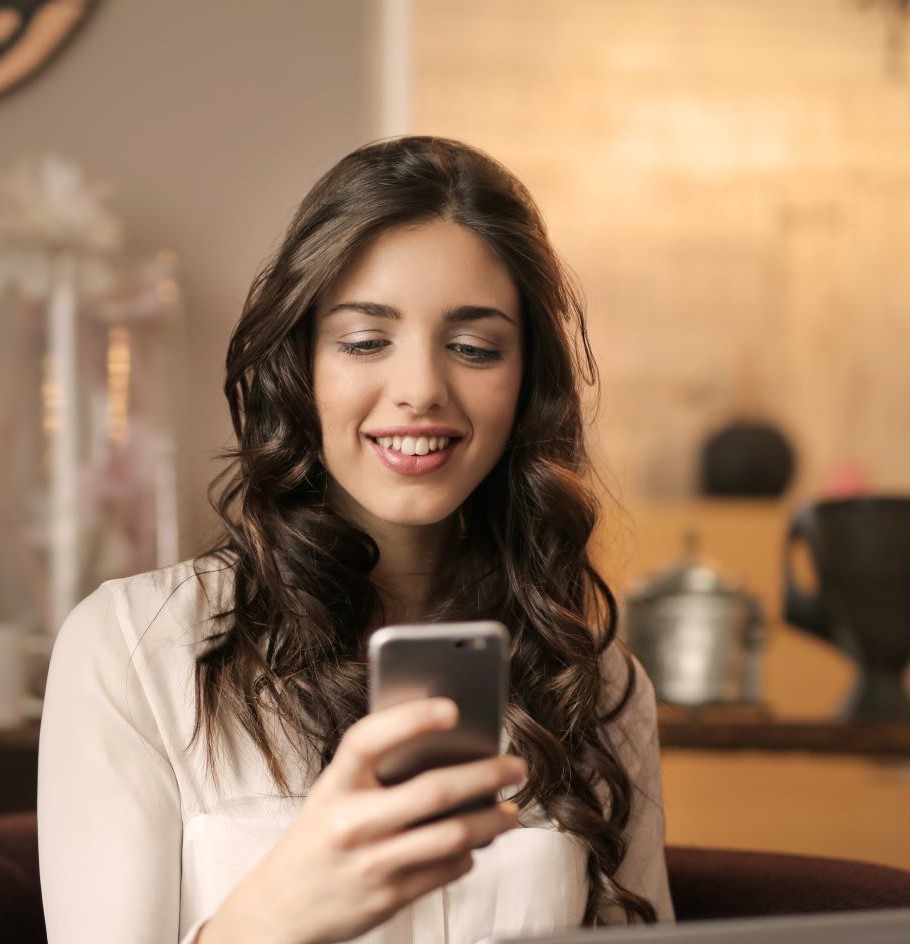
x: 688, y: 575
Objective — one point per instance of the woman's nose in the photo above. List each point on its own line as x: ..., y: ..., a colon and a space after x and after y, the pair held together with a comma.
x: 418, y: 381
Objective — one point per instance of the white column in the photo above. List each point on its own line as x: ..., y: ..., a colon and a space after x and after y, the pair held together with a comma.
x: 394, y: 67
x: 61, y: 416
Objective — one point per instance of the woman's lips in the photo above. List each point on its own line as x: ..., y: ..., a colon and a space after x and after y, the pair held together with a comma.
x: 413, y: 465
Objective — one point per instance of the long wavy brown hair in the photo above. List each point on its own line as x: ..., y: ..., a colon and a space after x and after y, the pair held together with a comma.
x: 291, y: 648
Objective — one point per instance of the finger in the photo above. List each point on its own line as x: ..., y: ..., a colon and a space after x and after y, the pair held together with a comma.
x: 381, y: 731
x: 438, y: 791
x: 383, y: 900
x: 363, y: 816
x: 414, y: 884
x: 425, y: 845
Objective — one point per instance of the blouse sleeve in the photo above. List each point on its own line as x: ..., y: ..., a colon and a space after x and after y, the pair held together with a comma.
x: 634, y: 735
x: 109, y: 817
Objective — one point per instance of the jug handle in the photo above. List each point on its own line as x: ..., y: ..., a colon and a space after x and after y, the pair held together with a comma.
x: 800, y: 609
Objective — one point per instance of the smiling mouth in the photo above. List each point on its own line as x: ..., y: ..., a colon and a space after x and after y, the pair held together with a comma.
x: 414, y: 445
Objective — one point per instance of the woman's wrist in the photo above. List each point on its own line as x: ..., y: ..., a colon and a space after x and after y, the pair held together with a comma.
x: 233, y: 924
x: 216, y: 932
x: 247, y: 915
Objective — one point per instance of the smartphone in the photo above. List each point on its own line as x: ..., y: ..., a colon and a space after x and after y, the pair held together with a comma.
x: 467, y: 662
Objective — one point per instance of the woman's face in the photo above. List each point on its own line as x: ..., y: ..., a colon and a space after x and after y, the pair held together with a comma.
x: 417, y: 369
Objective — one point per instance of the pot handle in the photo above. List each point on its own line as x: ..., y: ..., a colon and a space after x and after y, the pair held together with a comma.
x: 800, y: 609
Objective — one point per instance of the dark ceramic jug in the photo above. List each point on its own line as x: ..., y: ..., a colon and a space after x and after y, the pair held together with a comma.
x: 861, y: 552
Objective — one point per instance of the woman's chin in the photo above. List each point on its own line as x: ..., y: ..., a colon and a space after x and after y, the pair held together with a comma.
x: 414, y: 516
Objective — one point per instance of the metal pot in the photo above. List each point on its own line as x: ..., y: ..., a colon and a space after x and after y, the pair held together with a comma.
x: 698, y: 636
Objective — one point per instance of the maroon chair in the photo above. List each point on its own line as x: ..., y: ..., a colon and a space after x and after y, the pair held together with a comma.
x: 705, y: 883
x: 21, y: 914
x: 727, y: 883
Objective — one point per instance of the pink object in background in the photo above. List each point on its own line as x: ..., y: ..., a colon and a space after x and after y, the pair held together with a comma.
x: 846, y: 479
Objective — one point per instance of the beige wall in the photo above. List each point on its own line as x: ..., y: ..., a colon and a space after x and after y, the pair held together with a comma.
x: 211, y: 120
x: 731, y: 181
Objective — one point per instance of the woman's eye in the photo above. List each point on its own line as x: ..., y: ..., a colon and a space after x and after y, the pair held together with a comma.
x: 362, y: 348
x: 478, y: 355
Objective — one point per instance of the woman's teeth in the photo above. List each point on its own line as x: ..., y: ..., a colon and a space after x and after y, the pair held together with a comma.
x: 414, y: 445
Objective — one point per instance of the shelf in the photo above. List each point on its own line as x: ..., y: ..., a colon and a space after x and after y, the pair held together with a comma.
x: 756, y: 729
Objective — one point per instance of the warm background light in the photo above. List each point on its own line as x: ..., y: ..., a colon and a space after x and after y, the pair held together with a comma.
x: 731, y: 181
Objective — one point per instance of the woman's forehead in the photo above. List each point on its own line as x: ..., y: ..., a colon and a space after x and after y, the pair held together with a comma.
x: 437, y: 263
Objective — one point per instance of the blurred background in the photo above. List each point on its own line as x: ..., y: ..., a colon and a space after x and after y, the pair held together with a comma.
x: 730, y: 181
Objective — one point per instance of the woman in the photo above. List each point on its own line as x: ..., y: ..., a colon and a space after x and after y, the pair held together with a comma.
x: 404, y: 386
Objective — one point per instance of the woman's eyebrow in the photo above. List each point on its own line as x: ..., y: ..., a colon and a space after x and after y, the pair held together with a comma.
x: 461, y: 313
x: 475, y: 313
x: 367, y: 308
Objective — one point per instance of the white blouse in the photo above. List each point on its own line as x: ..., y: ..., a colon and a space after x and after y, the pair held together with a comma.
x: 137, y: 844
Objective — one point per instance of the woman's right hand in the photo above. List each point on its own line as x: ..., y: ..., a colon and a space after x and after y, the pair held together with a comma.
x: 353, y: 857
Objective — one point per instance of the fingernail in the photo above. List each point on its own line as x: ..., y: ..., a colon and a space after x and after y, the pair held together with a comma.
x: 445, y: 709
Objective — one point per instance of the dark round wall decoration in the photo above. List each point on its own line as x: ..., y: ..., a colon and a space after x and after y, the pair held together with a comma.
x: 32, y: 32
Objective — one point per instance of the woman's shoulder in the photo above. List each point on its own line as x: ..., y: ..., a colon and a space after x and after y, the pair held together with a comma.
x: 622, y: 672
x: 176, y: 603
x: 628, y: 703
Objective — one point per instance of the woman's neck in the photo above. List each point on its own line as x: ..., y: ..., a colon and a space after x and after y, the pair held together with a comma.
x: 410, y: 558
